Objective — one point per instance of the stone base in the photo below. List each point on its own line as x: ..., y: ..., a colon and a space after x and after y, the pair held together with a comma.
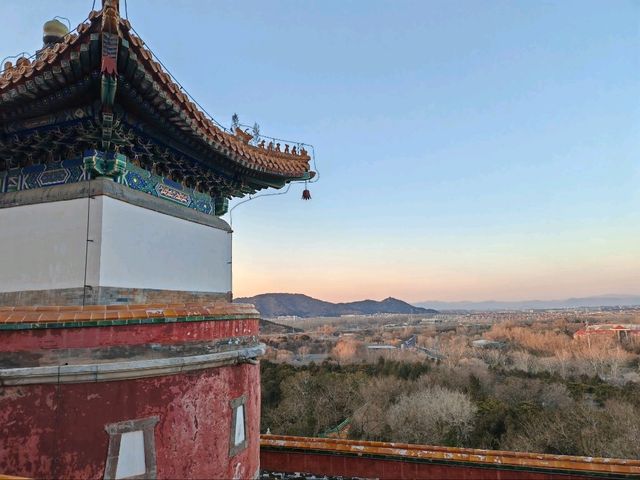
x: 107, y: 296
x: 167, y: 383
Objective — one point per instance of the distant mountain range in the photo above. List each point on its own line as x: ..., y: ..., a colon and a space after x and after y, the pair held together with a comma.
x: 273, y: 305
x: 597, y: 301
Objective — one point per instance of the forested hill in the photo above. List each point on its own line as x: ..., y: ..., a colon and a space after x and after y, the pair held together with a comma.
x: 273, y: 305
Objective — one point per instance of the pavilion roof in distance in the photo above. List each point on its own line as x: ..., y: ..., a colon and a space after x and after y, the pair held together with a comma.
x: 101, y: 88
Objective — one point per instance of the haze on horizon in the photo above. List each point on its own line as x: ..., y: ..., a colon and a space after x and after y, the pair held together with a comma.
x: 468, y: 150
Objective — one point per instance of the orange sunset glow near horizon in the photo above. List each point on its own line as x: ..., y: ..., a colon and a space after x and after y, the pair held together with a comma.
x: 545, y: 268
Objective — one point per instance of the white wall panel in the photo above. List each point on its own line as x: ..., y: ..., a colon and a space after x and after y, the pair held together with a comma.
x: 142, y: 248
x: 43, y: 246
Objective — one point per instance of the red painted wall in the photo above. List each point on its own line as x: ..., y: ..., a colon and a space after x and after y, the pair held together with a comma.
x: 164, y: 333
x: 58, y: 431
x: 349, y: 466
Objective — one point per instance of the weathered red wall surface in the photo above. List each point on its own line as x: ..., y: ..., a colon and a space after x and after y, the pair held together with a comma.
x: 350, y: 466
x: 164, y: 333
x: 58, y: 431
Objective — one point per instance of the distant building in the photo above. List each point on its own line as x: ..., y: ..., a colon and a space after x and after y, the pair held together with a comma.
x: 431, y: 321
x: 483, y: 343
x: 609, y: 329
x: 411, y: 342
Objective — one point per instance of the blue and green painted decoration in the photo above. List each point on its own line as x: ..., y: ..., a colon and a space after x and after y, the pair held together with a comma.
x: 98, y: 164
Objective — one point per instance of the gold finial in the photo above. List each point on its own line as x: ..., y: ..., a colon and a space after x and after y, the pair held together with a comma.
x: 53, y: 31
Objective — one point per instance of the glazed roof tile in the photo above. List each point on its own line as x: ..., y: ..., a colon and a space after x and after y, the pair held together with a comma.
x: 407, y: 452
x: 53, y: 314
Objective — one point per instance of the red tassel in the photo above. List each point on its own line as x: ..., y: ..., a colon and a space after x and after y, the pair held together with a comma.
x: 306, y: 194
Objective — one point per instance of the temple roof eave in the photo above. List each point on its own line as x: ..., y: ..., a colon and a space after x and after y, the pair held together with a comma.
x: 191, y: 118
x: 77, y: 59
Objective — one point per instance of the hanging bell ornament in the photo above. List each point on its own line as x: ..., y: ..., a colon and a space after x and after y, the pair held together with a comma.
x: 306, y: 194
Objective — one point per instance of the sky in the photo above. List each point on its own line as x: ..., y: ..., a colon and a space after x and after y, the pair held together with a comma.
x: 467, y: 150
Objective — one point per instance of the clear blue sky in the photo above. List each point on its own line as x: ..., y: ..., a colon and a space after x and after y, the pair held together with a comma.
x: 468, y: 149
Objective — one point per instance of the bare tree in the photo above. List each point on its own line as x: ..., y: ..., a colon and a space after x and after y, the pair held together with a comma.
x: 379, y: 394
x: 582, y: 429
x: 434, y: 415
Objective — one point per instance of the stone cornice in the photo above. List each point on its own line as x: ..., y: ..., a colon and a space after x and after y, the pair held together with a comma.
x: 109, y: 188
x: 127, y: 369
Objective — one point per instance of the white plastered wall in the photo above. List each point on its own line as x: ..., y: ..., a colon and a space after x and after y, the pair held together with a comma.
x: 44, y: 246
x: 142, y: 248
